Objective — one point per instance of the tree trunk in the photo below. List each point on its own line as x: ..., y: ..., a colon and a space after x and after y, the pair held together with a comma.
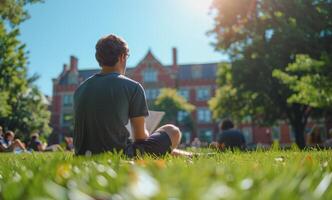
x: 298, y: 128
x: 298, y: 117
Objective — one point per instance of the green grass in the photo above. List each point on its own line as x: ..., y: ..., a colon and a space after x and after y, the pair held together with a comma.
x: 253, y: 175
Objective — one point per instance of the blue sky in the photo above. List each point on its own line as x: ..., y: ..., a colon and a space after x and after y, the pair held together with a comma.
x: 60, y: 28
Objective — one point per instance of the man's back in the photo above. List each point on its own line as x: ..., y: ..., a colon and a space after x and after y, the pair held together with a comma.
x: 103, y: 105
x: 232, y: 138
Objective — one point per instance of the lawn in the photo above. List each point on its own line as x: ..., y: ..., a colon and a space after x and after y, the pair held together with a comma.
x: 232, y: 175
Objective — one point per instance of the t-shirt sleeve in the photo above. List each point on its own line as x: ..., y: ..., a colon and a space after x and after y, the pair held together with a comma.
x: 137, y: 105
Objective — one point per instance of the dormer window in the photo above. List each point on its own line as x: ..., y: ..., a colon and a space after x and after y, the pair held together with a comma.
x: 72, y: 78
x: 67, y: 100
x: 197, y: 72
x: 150, y: 75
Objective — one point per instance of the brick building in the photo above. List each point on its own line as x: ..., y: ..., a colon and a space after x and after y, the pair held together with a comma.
x: 195, y: 82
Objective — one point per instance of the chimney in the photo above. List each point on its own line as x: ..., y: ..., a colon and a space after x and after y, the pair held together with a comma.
x: 175, y: 69
x: 73, y: 63
x: 175, y: 57
x: 65, y: 68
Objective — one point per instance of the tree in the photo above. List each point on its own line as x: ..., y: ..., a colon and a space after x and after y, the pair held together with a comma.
x: 263, y: 35
x: 171, y: 103
x: 311, y: 81
x: 228, y: 101
x: 22, y: 107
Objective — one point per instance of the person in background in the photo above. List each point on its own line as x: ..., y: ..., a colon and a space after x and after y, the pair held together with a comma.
x: 230, y: 138
x: 9, y: 143
x: 69, y: 143
x: 35, y: 144
x: 196, y: 143
x: 1, y: 132
x: 328, y: 141
x: 2, y: 148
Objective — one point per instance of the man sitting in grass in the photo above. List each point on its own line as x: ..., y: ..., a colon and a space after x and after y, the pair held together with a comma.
x: 230, y: 138
x: 105, y: 102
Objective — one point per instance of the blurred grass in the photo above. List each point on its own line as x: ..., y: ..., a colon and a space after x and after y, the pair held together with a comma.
x: 260, y: 174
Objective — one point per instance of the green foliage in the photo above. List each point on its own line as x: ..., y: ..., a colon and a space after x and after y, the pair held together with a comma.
x: 261, y: 36
x: 22, y: 106
x: 229, y: 175
x: 229, y: 101
x: 171, y: 103
x: 311, y: 81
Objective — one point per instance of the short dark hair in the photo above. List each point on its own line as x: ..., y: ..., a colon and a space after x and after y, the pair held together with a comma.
x: 227, y: 124
x: 108, y: 50
x: 34, y: 136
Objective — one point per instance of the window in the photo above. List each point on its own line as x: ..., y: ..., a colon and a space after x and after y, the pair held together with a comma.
x: 205, y: 135
x: 150, y: 75
x: 246, y: 119
x: 186, y: 138
x: 247, y: 132
x: 72, y: 78
x: 291, y: 133
x: 275, y: 133
x: 67, y: 100
x: 204, y: 115
x: 151, y: 94
x: 197, y: 72
x: 203, y: 94
x: 67, y: 119
x: 182, y: 115
x: 184, y: 93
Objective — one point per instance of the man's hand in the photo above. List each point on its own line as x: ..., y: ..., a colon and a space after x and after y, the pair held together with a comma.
x: 138, y: 128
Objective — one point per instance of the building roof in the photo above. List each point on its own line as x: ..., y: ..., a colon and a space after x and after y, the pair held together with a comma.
x: 205, y: 71
x: 186, y: 72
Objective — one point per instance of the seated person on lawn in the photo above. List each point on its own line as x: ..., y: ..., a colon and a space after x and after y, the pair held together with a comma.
x: 8, y: 143
x: 2, y: 148
x: 105, y: 102
x: 230, y: 138
x: 35, y: 144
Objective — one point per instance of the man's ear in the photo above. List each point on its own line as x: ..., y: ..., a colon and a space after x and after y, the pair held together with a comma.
x: 122, y: 58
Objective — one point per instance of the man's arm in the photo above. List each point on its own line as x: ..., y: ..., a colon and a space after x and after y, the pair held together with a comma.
x: 221, y: 142
x: 3, y: 146
x: 138, y: 128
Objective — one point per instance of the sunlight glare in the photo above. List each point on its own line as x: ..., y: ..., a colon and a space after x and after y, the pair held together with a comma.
x: 199, y: 5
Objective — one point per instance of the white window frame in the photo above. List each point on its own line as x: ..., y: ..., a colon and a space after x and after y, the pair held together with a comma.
x: 150, y: 75
x: 207, y: 133
x: 67, y: 100
x: 65, y: 123
x: 185, y: 93
x: 152, y: 93
x: 276, y: 133
x: 204, y: 115
x: 203, y: 93
x: 248, y: 134
x: 196, y: 72
x: 182, y: 115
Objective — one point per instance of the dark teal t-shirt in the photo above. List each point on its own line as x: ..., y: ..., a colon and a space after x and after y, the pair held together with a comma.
x: 103, y: 104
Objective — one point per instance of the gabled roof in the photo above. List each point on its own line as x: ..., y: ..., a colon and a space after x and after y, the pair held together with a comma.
x: 149, y: 57
x: 185, y: 72
x: 86, y: 73
x: 208, y: 71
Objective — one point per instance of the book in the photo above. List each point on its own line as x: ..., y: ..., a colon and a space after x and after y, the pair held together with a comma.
x: 151, y: 122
